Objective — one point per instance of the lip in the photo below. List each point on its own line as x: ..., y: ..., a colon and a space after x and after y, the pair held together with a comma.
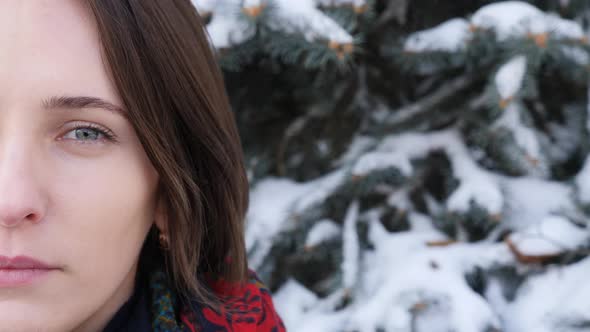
x: 22, y: 270
x: 23, y: 262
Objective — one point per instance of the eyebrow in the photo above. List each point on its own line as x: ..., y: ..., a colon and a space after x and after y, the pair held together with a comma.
x: 81, y: 102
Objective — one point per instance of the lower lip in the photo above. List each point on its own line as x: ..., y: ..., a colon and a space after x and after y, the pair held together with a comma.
x: 20, y: 277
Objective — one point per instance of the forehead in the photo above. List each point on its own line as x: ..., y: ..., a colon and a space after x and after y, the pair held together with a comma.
x: 49, y: 47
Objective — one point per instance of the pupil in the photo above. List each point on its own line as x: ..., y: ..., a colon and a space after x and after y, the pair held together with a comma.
x: 85, y: 133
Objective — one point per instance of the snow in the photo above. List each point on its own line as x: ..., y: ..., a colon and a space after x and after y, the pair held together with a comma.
x: 304, y: 17
x: 356, y: 3
x: 373, y: 161
x: 473, y: 190
x: 319, y: 189
x: 582, y: 182
x: 577, y: 54
x: 525, y: 136
x: 588, y: 106
x: 321, y: 231
x: 400, y: 199
x: 508, y: 19
x: 552, y: 236
x: 252, y: 3
x: 227, y: 28
x: 269, y: 212
x: 386, y: 295
x: 564, y: 28
x: 404, y: 284
x: 205, y: 5
x: 383, y: 295
x: 449, y: 36
x: 350, y: 246
x: 292, y: 300
x: 563, y: 139
x: 476, y: 185
x: 433, y: 277
x: 518, y: 18
x: 529, y: 200
x: 508, y: 81
x: 510, y: 76
x: 356, y: 148
x: 534, y: 309
x: 384, y: 289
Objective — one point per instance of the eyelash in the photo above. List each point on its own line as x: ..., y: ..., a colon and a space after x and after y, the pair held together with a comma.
x: 105, y: 132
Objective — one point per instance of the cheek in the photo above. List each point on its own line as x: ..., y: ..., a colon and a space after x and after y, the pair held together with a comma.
x: 99, y: 212
x: 106, y: 206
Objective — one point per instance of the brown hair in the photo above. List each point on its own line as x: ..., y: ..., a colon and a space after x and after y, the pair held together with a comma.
x: 165, y: 70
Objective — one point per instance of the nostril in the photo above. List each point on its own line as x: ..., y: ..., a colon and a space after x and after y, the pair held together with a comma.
x: 13, y: 219
x: 33, y: 217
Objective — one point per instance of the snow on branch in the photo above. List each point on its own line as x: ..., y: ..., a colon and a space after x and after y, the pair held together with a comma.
x: 518, y: 18
x: 406, y: 281
x: 373, y: 161
x: 269, y: 214
x: 551, y: 237
x: 582, y: 182
x: 335, y: 3
x: 350, y: 246
x: 449, y: 36
x: 229, y: 24
x: 226, y: 27
x: 510, y: 76
x: 321, y: 231
x: 358, y: 6
x: 304, y: 17
x: 556, y: 300
x: 477, y: 184
x: 507, y: 19
x: 510, y: 18
x: 524, y: 136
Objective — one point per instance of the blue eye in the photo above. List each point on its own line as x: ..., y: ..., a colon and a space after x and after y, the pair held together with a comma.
x: 86, y: 134
x: 89, y: 133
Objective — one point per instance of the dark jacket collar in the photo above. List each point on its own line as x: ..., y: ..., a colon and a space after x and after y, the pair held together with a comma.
x: 134, y: 315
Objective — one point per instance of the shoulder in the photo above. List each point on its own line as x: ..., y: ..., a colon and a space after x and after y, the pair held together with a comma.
x: 248, y: 307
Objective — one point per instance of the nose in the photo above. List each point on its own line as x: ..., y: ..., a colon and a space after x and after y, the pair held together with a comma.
x: 20, y: 192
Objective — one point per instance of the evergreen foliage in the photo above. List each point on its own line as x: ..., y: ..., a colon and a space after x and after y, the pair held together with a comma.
x: 415, y: 165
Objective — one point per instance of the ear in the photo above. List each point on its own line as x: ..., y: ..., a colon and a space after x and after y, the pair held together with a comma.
x: 161, y: 215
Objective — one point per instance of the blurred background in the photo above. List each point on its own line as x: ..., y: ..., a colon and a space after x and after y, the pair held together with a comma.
x: 415, y: 165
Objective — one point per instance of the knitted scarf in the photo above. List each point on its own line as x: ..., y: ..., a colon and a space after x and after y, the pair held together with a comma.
x: 246, y: 309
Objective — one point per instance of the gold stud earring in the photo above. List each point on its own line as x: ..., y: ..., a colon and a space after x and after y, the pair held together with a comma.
x: 163, y: 239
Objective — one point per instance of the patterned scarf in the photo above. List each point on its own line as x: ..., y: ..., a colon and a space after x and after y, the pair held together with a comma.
x: 246, y: 309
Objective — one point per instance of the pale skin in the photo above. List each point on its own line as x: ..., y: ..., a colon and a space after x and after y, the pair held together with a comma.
x: 69, y: 197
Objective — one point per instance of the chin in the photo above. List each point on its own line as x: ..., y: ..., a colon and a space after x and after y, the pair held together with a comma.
x: 18, y: 316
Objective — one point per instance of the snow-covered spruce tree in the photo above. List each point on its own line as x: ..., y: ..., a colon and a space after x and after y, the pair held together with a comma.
x: 416, y: 166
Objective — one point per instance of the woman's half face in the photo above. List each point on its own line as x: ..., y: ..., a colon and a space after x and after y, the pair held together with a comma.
x: 76, y: 188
